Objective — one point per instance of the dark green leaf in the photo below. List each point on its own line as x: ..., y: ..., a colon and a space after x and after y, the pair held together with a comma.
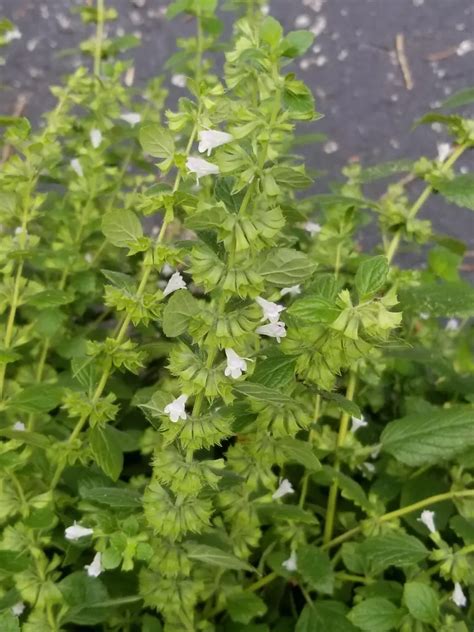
x: 300, y: 452
x: 112, y: 496
x: 290, y: 177
x: 107, y: 451
x: 179, y: 310
x: 122, y: 228
x: 371, y: 276
x: 285, y: 267
x: 13, y: 561
x: 422, y: 602
x: 38, y: 398
x: 245, y: 606
x: 392, y: 549
x: 315, y: 567
x: 376, y: 615
x: 458, y: 190
x: 324, y: 616
x: 273, y: 512
x: 440, y: 299
x: 275, y: 371
x: 216, y: 557
x: 9, y: 623
x: 261, y: 393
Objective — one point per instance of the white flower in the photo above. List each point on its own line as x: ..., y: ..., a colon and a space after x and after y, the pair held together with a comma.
x: 89, y: 257
x: 271, y: 311
x: 210, y: 139
x: 274, y: 330
x: 176, y: 282
x: 370, y: 467
x: 444, y: 149
x: 77, y: 167
x: 294, y: 290
x: 358, y: 423
x: 179, y: 80
x: 284, y: 488
x: 18, y: 230
x: 201, y: 167
x: 291, y: 564
x: 20, y: 426
x: 166, y: 270
x: 312, y: 228
x: 9, y: 36
x: 458, y: 596
x: 235, y: 364
x: 176, y: 409
x: 18, y: 609
x: 94, y: 569
x: 77, y: 531
x: 96, y: 137
x: 452, y: 324
x: 424, y: 315
x: 131, y: 117
x: 427, y: 518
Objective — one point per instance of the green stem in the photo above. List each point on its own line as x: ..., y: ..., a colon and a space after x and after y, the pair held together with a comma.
x: 395, y: 242
x: 398, y: 513
x: 304, y: 484
x: 357, y: 579
x: 11, y: 322
x: 333, y: 492
x: 99, y: 37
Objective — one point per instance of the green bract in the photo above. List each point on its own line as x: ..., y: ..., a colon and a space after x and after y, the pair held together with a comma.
x: 227, y: 416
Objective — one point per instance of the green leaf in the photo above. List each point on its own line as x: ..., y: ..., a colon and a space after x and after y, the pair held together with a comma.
x: 82, y: 593
x: 376, y: 615
x: 458, y: 99
x: 122, y: 228
x: 276, y: 371
x: 216, y: 557
x: 371, y: 276
x: 112, y: 496
x: 324, y: 616
x: 344, y: 404
x: 440, y: 299
x: 107, y: 451
x: 421, y: 601
x: 261, y: 393
x: 384, y: 170
x: 458, y: 190
x: 50, y: 298
x: 179, y: 310
x: 273, y: 512
x: 290, y: 177
x: 39, y: 398
x: 156, y: 141
x: 392, y: 549
x: 285, y: 267
x: 30, y: 438
x: 271, y: 31
x: 429, y: 437
x: 332, y: 199
x: 300, y: 452
x: 315, y: 567
x: 13, y: 561
x: 296, y: 43
x: 245, y: 606
x: 9, y: 623
x: 120, y: 280
x: 314, y: 309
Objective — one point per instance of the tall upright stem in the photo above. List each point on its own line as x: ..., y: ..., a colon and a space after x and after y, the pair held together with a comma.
x: 99, y: 37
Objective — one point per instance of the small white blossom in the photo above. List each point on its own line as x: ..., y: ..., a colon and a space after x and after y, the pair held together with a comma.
x: 176, y: 409
x: 179, y: 80
x: 18, y: 230
x: 9, y: 36
x: 235, y: 364
x: 284, y: 488
x: 273, y: 330
x: 210, y: 139
x: 18, y: 609
x: 77, y: 531
x: 370, y: 467
x: 94, y: 569
x: 132, y: 118
x: 77, y: 167
x: 466, y: 46
x: 452, y: 324
x: 291, y: 564
x: 312, y: 228
x: 444, y: 149
x: 89, y: 257
x: 176, y: 282
x: 167, y: 270
x: 271, y: 311
x: 201, y: 167
x: 424, y: 315
x: 294, y: 290
x: 458, y: 596
x: 96, y: 138
x: 427, y: 518
x: 358, y: 423
x: 20, y: 426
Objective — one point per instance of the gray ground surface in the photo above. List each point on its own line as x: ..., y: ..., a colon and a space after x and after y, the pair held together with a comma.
x: 353, y: 70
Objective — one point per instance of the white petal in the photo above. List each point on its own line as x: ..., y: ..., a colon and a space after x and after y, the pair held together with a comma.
x: 291, y: 564
x: 179, y: 80
x: 132, y: 118
x: 444, y: 149
x: 294, y: 290
x: 312, y: 228
x: 458, y: 596
x: 235, y: 364
x: 201, y: 167
x: 96, y: 138
x: 77, y: 531
x: 358, y: 423
x: 427, y: 518
x: 284, y: 488
x: 19, y: 426
x: 176, y: 282
x: 271, y: 311
x: 452, y: 324
x: 273, y: 330
x: 176, y: 409
x: 18, y: 609
x: 77, y: 167
x: 9, y: 36
x: 94, y: 569
x: 210, y: 139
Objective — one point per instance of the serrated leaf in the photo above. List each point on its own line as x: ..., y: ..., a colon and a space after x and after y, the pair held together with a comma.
x: 315, y: 568
x: 30, y: 438
x: 344, y: 404
x: 296, y: 43
x: 371, y: 276
x: 179, y: 310
x: 13, y: 561
x: 50, y: 298
x: 261, y: 393
x: 39, y: 398
x: 9, y: 623
x: 300, y: 452
x: 458, y: 190
x: 324, y: 616
x: 384, y: 170
x: 120, y: 280
x: 332, y: 199
x: 112, y: 496
x: 290, y: 177
x: 392, y: 549
x: 314, y: 309
x: 122, y: 228
x: 245, y: 606
x: 440, y: 299
x: 458, y: 99
x: 285, y: 267
x: 376, y: 615
x: 216, y: 557
x: 107, y: 451
x: 273, y: 512
x: 421, y: 601
x: 275, y: 371
x: 429, y: 437
x: 156, y: 141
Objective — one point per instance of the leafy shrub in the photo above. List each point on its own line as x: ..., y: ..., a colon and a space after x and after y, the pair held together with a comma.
x: 232, y: 418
